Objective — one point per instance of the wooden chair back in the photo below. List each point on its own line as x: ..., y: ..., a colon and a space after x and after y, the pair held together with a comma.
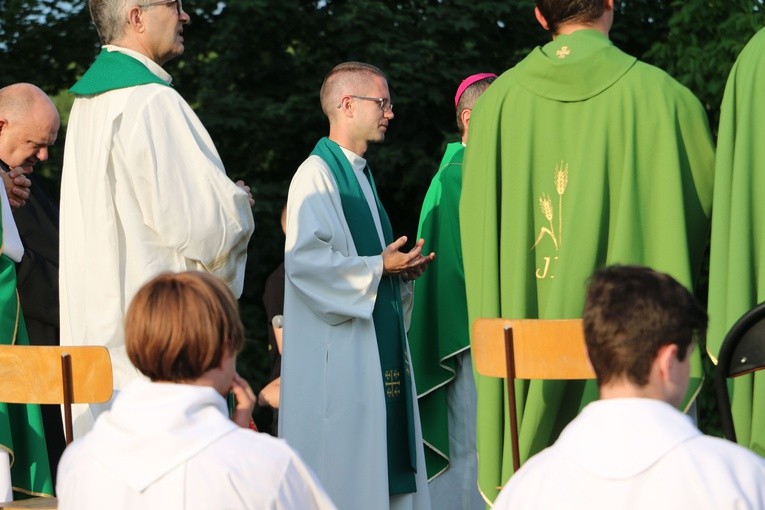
x: 38, y: 502
x: 31, y: 374
x: 513, y: 349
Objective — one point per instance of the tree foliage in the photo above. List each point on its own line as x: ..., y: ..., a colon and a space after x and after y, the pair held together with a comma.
x: 702, y: 40
x: 253, y: 68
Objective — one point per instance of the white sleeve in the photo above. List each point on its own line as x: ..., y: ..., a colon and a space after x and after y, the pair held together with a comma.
x: 183, y: 190
x: 320, y: 259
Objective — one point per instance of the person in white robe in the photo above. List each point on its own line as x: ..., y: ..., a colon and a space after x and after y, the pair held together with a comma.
x: 143, y: 188
x: 169, y: 443
x: 348, y: 405
x: 633, y: 449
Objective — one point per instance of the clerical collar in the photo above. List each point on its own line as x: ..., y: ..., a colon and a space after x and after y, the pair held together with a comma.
x: 357, y: 162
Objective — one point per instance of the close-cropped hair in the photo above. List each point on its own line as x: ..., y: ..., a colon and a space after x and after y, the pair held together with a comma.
x: 348, y: 77
x: 109, y: 18
x: 560, y: 12
x: 179, y: 325
x: 630, y: 312
x: 468, y: 97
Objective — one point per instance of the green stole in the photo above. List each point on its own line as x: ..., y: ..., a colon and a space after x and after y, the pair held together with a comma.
x: 114, y: 70
x: 21, y: 427
x: 387, y: 316
x: 439, y: 330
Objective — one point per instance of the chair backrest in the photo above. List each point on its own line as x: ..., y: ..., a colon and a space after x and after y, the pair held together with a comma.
x: 529, y: 349
x: 55, y: 375
x: 543, y: 348
x: 742, y: 352
x: 40, y: 502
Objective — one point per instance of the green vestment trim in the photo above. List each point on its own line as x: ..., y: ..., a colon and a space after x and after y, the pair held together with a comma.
x: 439, y: 329
x: 737, y: 256
x: 114, y: 70
x: 387, y: 316
x: 610, y: 162
x: 21, y: 427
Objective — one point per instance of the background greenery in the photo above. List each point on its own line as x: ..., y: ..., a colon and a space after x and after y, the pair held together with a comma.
x: 252, y: 71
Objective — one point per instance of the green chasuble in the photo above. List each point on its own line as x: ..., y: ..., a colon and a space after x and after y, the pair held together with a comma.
x: 439, y: 328
x: 387, y: 316
x: 21, y: 427
x: 579, y: 157
x: 737, y: 256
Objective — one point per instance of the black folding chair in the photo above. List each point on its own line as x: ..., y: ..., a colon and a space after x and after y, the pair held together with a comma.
x: 742, y: 352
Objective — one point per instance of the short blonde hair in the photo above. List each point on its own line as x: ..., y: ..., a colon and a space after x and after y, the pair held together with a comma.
x: 348, y: 77
x: 180, y: 324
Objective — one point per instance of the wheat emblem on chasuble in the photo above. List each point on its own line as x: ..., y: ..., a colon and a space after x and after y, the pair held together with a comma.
x: 548, y: 210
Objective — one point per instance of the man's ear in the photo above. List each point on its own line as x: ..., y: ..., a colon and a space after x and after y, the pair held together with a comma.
x: 465, y: 117
x: 608, y: 4
x: 542, y: 21
x: 666, y: 359
x: 346, y: 106
x: 134, y: 19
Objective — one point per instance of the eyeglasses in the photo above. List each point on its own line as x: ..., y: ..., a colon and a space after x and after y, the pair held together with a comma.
x: 178, y: 4
x: 384, y: 104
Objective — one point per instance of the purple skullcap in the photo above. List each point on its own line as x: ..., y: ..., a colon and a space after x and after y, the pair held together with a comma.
x: 468, y: 82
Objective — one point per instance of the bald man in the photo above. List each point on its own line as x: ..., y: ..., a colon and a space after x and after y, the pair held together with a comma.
x: 29, y: 124
x: 33, y: 127
x: 347, y: 395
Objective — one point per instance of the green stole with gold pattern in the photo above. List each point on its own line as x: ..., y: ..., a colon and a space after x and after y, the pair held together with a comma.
x: 21, y: 428
x: 387, y: 316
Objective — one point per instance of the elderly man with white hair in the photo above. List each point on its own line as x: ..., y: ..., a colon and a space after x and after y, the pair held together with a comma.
x: 143, y: 190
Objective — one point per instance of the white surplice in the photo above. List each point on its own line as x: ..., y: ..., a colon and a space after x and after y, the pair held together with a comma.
x: 143, y: 191
x: 172, y: 446
x: 636, y: 454
x: 332, y: 404
x: 10, y: 244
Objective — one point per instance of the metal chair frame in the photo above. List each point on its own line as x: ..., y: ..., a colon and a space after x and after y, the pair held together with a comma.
x: 742, y: 352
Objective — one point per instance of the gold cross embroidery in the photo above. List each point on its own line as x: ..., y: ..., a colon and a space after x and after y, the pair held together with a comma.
x: 563, y: 52
x: 392, y: 383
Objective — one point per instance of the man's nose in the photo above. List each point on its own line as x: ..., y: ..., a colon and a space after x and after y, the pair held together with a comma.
x: 42, y: 154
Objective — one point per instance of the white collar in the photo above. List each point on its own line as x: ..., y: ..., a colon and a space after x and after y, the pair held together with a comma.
x: 149, y: 63
x: 619, y: 438
x: 357, y: 162
x: 152, y: 428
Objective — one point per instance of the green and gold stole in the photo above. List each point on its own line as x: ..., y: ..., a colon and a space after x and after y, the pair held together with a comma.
x: 21, y: 428
x: 387, y: 316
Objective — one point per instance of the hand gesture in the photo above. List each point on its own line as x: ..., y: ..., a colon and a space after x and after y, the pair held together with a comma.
x: 409, y: 265
x: 17, y: 187
x: 246, y: 188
